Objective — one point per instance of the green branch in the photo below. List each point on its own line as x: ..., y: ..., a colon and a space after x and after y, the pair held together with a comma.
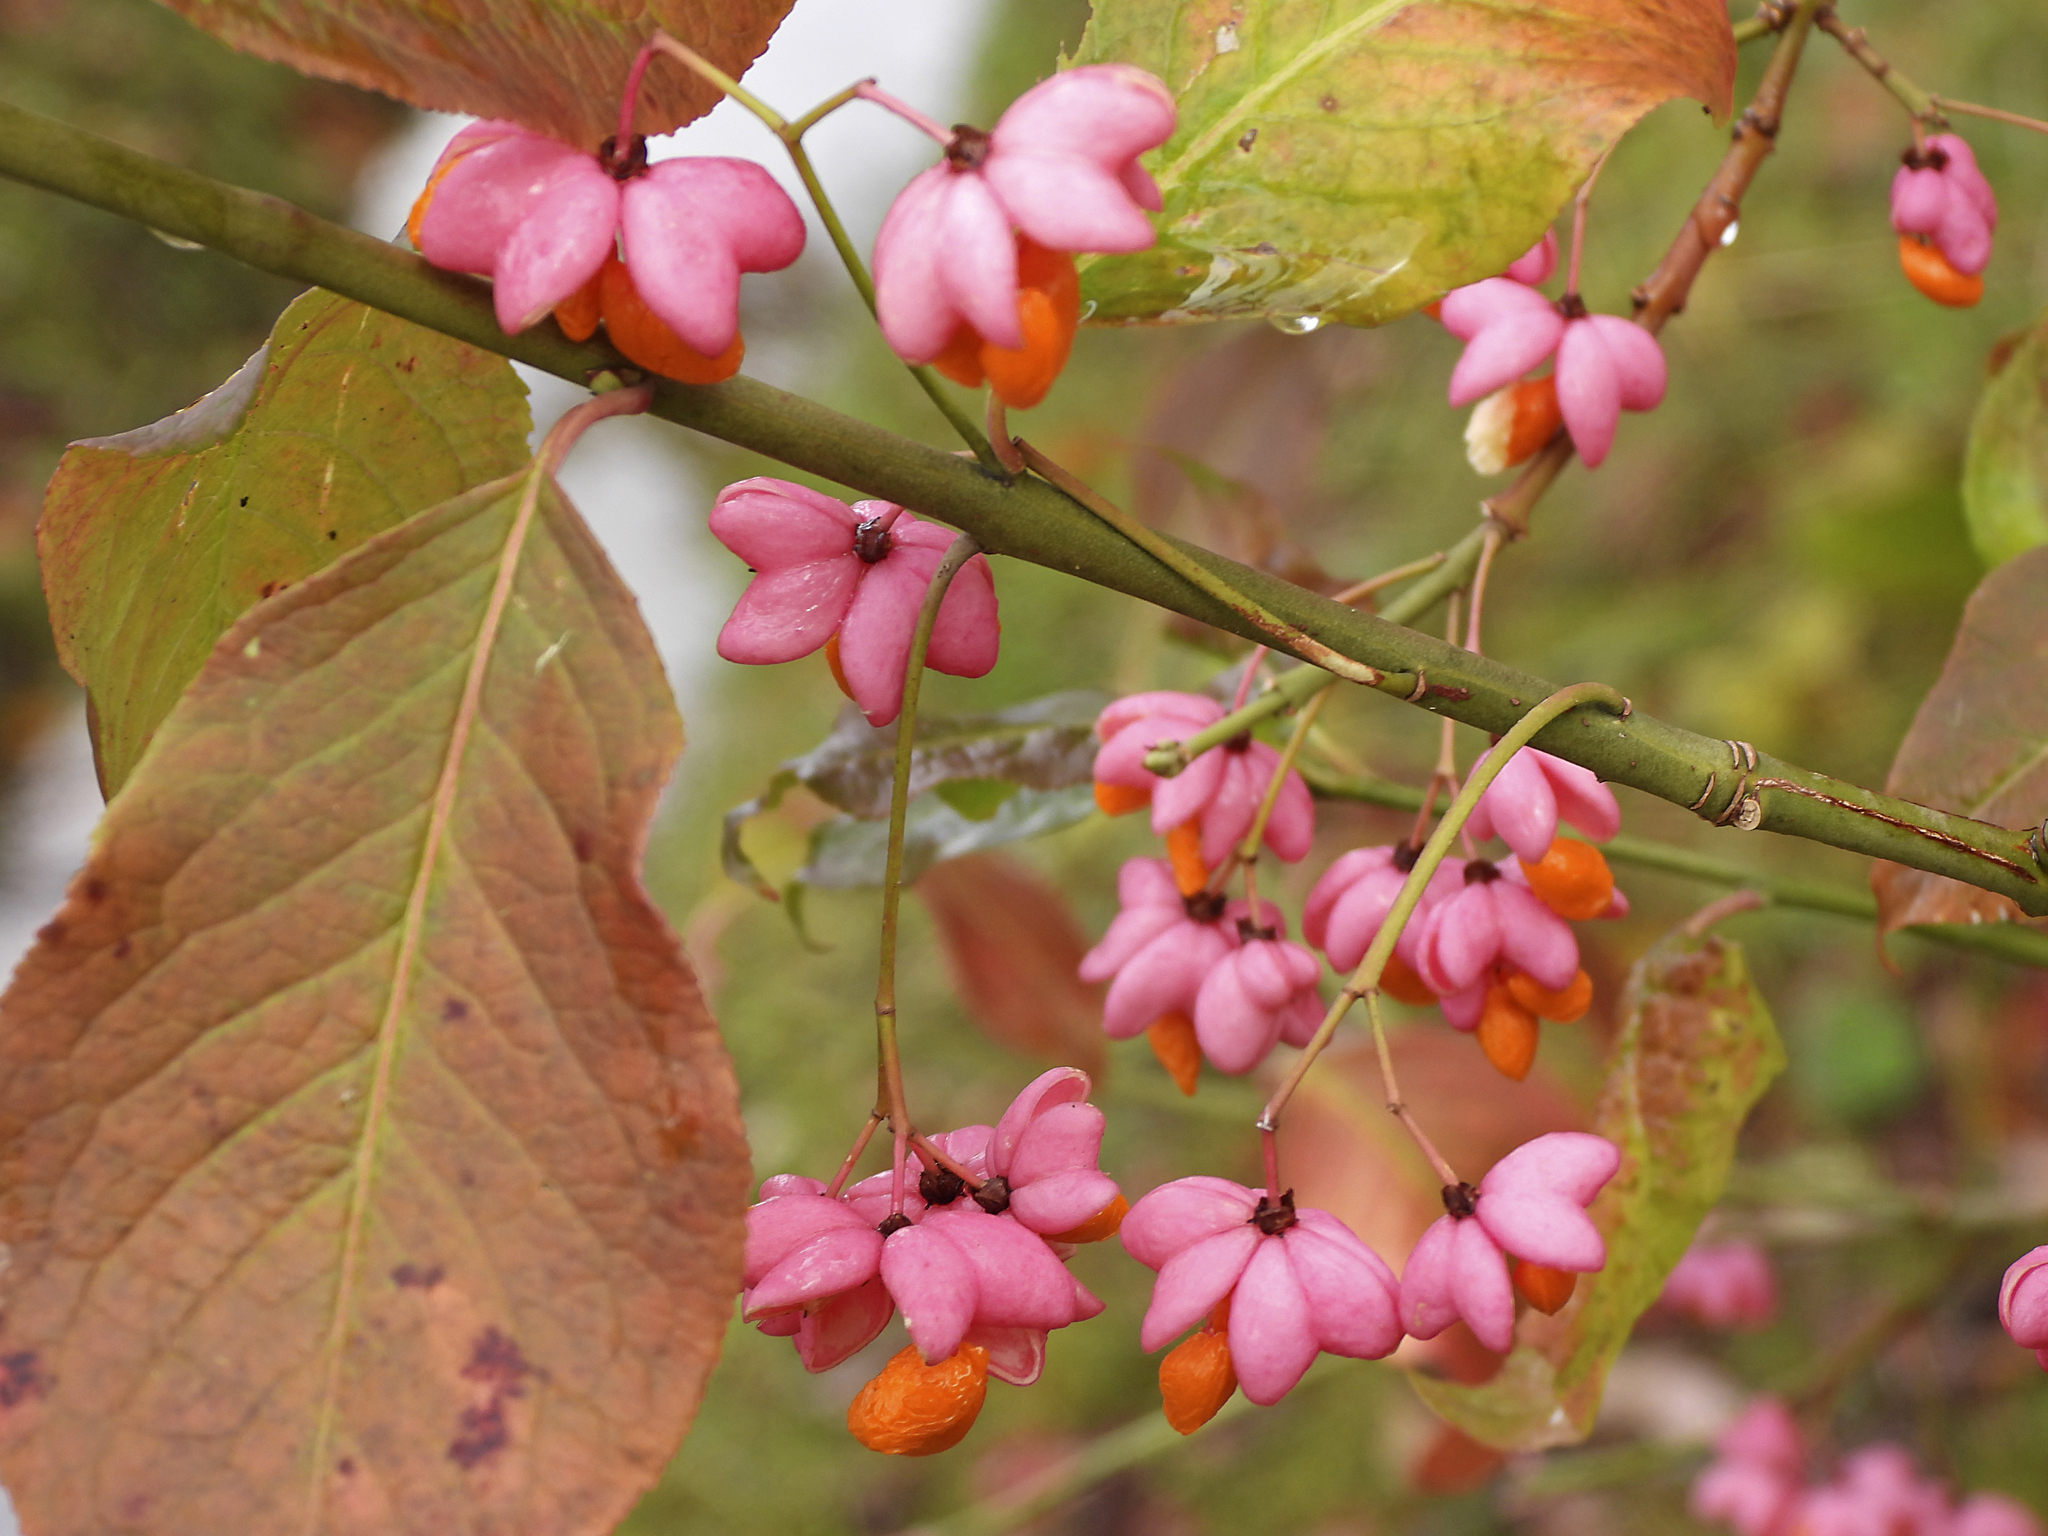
x: 1722, y: 782
x: 2005, y: 941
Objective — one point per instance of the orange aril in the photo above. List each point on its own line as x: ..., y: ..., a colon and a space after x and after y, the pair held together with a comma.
x: 646, y: 339
x: 832, y: 661
x: 1507, y: 1033
x: 914, y: 1409
x: 579, y: 313
x: 1120, y: 799
x: 1572, y: 879
x: 1184, y: 852
x: 418, y: 213
x: 1567, y: 1005
x: 1928, y: 270
x: 1399, y: 981
x: 1048, y: 313
x: 1102, y: 1224
x: 1544, y: 1288
x: 1172, y: 1038
x: 1196, y: 1379
x: 1537, y: 417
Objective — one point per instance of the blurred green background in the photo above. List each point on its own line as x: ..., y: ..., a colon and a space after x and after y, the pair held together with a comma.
x: 1777, y: 554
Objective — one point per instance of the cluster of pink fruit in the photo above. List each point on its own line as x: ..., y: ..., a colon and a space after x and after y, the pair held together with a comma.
x: 973, y: 267
x: 1206, y: 978
x: 1756, y: 1485
x: 972, y: 1253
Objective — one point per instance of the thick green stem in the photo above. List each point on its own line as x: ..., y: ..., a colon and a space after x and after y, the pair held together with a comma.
x: 1028, y: 519
x: 2004, y: 941
x: 1365, y: 980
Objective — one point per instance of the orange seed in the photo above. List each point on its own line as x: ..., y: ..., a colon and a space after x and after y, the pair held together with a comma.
x: 1184, y: 852
x: 1196, y: 1379
x: 1572, y: 879
x: 1544, y: 1288
x: 1537, y: 417
x: 1172, y: 1038
x: 914, y: 1409
x: 832, y: 661
x: 1928, y: 270
x: 1120, y: 799
x: 1048, y: 312
x: 1102, y: 1224
x: 579, y: 313
x: 646, y: 339
x: 1399, y: 981
x: 1567, y: 1005
x: 1507, y: 1034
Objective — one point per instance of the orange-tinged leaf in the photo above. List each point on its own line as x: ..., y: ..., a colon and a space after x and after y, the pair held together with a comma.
x: 1353, y: 160
x: 1012, y: 947
x: 554, y: 66
x: 1978, y: 744
x: 154, y: 542
x: 368, y: 1160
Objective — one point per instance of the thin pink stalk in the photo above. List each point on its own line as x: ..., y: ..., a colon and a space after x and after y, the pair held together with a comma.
x: 629, y: 99
x: 867, y: 90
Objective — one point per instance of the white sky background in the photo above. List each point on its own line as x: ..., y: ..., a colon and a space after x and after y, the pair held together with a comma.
x: 633, y: 480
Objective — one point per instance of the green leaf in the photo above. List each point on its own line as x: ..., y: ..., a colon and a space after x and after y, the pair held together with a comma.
x: 1042, y: 745
x: 1354, y: 160
x: 1697, y: 1050
x: 371, y: 1162
x: 1978, y: 744
x: 2005, y: 471
x: 554, y: 65
x: 154, y: 542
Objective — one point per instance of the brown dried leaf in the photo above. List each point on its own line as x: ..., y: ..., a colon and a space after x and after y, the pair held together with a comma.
x: 1012, y: 947
x: 368, y: 1160
x: 549, y: 64
x: 1979, y: 743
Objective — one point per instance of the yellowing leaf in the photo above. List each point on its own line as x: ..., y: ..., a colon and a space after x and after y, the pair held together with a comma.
x: 1979, y: 743
x: 154, y: 542
x: 1355, y: 159
x: 1697, y: 1050
x: 368, y: 1160
x: 550, y: 64
x: 2005, y: 472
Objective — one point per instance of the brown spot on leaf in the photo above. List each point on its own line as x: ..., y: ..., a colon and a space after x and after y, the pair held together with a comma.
x: 454, y: 1010
x: 52, y: 932
x: 124, y: 948
x: 585, y: 845
x: 408, y: 365
x: 346, y: 1466
x: 495, y: 1360
x: 479, y: 1433
x: 1328, y: 103
x: 21, y: 1378
x: 94, y: 890
x: 417, y: 1276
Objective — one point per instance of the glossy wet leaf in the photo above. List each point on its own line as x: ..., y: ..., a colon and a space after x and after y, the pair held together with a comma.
x: 549, y: 64
x: 1698, y: 1048
x: 154, y: 542
x: 1979, y: 744
x: 371, y: 1162
x: 2005, y: 471
x: 1353, y: 160
x: 988, y: 766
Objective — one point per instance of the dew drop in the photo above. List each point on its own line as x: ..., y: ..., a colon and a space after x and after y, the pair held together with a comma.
x: 1728, y: 234
x: 1295, y: 325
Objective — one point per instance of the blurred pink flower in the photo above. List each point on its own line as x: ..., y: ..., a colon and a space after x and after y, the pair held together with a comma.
x: 1527, y: 799
x: 1536, y: 264
x: 1940, y: 193
x: 1158, y: 950
x: 1061, y: 165
x: 1298, y: 1281
x: 1259, y: 993
x: 1223, y: 788
x: 1530, y: 1204
x: 539, y: 218
x: 1877, y: 1489
x: 1723, y: 1285
x: 1755, y: 1481
x: 860, y: 572
x: 2023, y: 1303
x: 1993, y: 1514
